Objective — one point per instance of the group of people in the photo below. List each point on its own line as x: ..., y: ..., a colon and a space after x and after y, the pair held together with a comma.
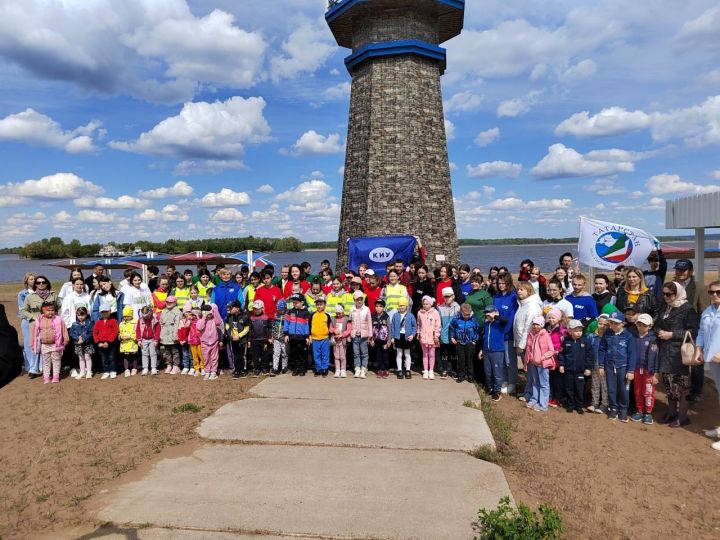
x: 620, y: 340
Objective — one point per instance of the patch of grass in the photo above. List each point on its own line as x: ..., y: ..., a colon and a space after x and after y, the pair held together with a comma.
x: 187, y: 407
x: 521, y: 523
x: 43, y: 496
x: 501, y: 429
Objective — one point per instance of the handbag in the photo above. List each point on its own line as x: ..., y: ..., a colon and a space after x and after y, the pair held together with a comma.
x: 687, y: 351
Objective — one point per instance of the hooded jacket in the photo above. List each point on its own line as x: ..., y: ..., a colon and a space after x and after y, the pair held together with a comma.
x: 527, y: 310
x: 169, y: 323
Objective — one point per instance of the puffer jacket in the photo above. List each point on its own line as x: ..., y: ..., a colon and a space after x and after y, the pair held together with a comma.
x: 527, y: 310
x: 297, y: 323
x: 464, y: 331
x: 678, y: 320
x: 361, y: 321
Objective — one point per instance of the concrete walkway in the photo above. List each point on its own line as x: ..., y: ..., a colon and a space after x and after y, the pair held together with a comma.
x: 323, y: 458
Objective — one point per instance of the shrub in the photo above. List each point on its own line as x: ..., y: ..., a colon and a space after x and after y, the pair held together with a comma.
x: 521, y: 523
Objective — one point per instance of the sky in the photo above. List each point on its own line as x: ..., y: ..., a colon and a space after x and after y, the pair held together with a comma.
x: 157, y: 119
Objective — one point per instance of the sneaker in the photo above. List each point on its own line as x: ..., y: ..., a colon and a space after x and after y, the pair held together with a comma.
x: 81, y: 375
x: 133, y: 372
x: 153, y: 372
x: 357, y: 373
x: 431, y: 375
x: 89, y: 375
x: 275, y: 373
x: 408, y: 375
x: 624, y: 418
x: 46, y: 380
x: 713, y: 433
x: 56, y: 379
x: 324, y: 373
x: 343, y: 374
x: 202, y: 372
x: 363, y: 373
x: 302, y: 372
x: 399, y: 374
x: 592, y: 408
x: 510, y: 389
x: 168, y: 369
x: 522, y: 398
x: 460, y: 380
x: 553, y: 403
x: 504, y: 388
x: 648, y: 419
x: 580, y: 411
x: 144, y: 372
x: 236, y: 375
x: 715, y: 445
x: 537, y: 408
x: 495, y: 396
x: 443, y: 375
x: 243, y: 374
x: 74, y: 373
x: 185, y: 371
x: 337, y: 374
x: 425, y: 375
x: 530, y: 405
x: 213, y: 376
x: 126, y: 373
x: 206, y: 377
x: 602, y: 409
x: 284, y: 370
x: 637, y: 417
x: 379, y: 374
x: 113, y: 374
x: 175, y: 370
x: 105, y: 375
x: 612, y: 415
x: 191, y: 371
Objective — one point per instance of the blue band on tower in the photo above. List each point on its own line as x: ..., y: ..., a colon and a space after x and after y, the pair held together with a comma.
x: 395, y: 48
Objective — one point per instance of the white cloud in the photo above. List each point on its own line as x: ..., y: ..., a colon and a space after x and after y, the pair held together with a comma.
x: 487, y: 137
x: 488, y: 191
x: 305, y: 50
x: 124, y: 201
x: 179, y: 189
x: 32, y: 127
x: 518, y: 106
x: 169, y: 213
x: 60, y: 186
x: 563, y: 162
x: 703, y: 30
x: 94, y: 216
x: 265, y: 188
x: 463, y: 102
x: 716, y: 174
x: 312, y: 143
x: 339, y: 92
x: 22, y: 218
x: 605, y: 187
x: 663, y: 184
x: 226, y: 215
x: 226, y: 197
x: 107, y: 47
x: 610, y: 121
x: 216, y: 133
x: 513, y: 203
x: 582, y: 70
x: 657, y: 203
x: 311, y: 191
x: 494, y: 169
x: 449, y: 130
x: 10, y: 200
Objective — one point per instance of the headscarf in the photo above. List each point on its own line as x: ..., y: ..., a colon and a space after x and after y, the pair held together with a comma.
x: 680, y: 297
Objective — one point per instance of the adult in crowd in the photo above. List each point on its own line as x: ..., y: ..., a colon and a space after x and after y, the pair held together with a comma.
x: 95, y: 288
x: 73, y: 300
x: 464, y: 283
x: 478, y: 298
x: 634, y: 291
x: 98, y: 270
x: 618, y: 278
x: 297, y: 277
x: 581, y: 300
x: 655, y: 276
x: 506, y: 302
x: 160, y: 294
x: 526, y: 265
x: 153, y: 273
x: 109, y: 295
x: 684, y: 275
x: 135, y: 295
x: 393, y: 292
x: 225, y: 291
x: 205, y: 284
x: 180, y: 290
x: 28, y: 287
x: 31, y: 311
x: 708, y: 345
x: 561, y: 275
x: 538, y: 281
x: 556, y: 299
x: 446, y: 280
x: 422, y: 286
x: 529, y: 307
x: 602, y: 295
x: 67, y: 287
x: 11, y: 355
x: 676, y: 317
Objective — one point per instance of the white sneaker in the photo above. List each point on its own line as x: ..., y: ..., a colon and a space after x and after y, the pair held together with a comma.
x: 213, y: 376
x: 133, y: 372
x: 425, y: 375
x: 343, y: 373
x: 202, y: 372
x: 337, y: 373
x: 88, y: 375
x: 504, y: 389
x: 191, y: 372
x: 144, y: 372
x: 81, y: 375
x: 197, y: 374
x: 153, y: 372
x: 357, y: 372
x: 184, y: 371
x: 715, y: 445
x: 74, y: 373
x: 206, y: 377
x: 127, y: 373
x: 431, y: 375
x: 113, y: 374
x: 105, y: 375
x: 363, y: 373
x: 713, y: 433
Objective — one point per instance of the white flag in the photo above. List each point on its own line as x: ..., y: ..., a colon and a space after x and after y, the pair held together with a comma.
x: 606, y: 245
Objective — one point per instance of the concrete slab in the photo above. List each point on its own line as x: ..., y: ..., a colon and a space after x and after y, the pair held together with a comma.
x: 313, y: 491
x: 347, y: 422
x: 155, y: 533
x: 370, y: 389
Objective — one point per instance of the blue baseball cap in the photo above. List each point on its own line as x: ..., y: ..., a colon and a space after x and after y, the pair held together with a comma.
x: 616, y: 316
x: 490, y: 309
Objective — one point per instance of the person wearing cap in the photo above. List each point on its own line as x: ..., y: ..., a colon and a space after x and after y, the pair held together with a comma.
x: 260, y: 337
x: 50, y: 337
x: 403, y: 328
x: 342, y: 331
x: 361, y: 321
x: 280, y: 352
x: 646, y: 368
x: 128, y: 342
x: 237, y: 328
x: 655, y: 276
x: 616, y: 357
x: 677, y: 317
x: 448, y: 310
x: 708, y: 345
x: 428, y: 321
x: 540, y: 356
x: 321, y: 328
x: 575, y: 362
x: 464, y: 334
x: 393, y: 291
x: 105, y: 333
x: 296, y: 332
x: 631, y: 313
x: 599, y: 402
x: 169, y: 344
x: 492, y: 350
x: 380, y: 338
x: 634, y: 291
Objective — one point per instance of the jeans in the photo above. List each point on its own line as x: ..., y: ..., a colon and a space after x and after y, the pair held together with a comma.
x: 715, y: 370
x: 107, y: 357
x: 360, y: 352
x: 493, y: 363
x: 510, y: 369
x: 31, y: 359
x: 465, y: 360
x: 321, y: 354
x: 540, y: 394
x: 618, y: 392
x: 186, y: 356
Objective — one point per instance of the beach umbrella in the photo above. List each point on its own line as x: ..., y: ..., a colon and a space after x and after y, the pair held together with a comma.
x: 254, y: 259
x: 110, y: 264
x: 195, y: 257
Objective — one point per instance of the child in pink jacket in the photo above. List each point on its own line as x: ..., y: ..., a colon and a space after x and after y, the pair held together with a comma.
x: 50, y: 336
x: 343, y: 330
x: 207, y: 325
x: 539, y: 359
x: 428, y: 323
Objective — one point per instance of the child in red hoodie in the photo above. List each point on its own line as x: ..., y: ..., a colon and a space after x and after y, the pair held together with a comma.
x: 105, y: 334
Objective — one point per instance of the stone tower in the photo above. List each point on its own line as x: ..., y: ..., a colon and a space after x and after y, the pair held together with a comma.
x: 397, y: 173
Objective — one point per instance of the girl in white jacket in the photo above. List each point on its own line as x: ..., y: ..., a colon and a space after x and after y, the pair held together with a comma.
x: 529, y: 306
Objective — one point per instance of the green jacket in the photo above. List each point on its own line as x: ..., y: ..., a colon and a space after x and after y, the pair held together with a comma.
x: 479, y: 300
x: 33, y: 303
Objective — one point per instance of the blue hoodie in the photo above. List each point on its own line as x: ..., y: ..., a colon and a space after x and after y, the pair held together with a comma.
x: 507, y: 305
x: 223, y: 293
x: 464, y: 331
x: 494, y: 335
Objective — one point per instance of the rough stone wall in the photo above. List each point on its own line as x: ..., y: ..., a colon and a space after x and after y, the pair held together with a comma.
x: 397, y: 173
x: 395, y: 23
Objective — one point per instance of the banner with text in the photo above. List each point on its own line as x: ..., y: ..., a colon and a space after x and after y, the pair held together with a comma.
x: 606, y: 245
x: 377, y: 251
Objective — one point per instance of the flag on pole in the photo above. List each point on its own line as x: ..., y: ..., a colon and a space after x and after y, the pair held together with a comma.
x: 606, y: 245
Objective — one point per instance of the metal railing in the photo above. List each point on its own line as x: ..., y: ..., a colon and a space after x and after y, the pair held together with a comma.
x: 333, y: 3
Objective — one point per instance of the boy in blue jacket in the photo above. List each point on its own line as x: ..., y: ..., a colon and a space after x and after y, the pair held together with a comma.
x: 645, y: 370
x: 464, y: 333
x: 296, y: 329
x: 493, y: 350
x: 616, y: 358
x: 575, y: 360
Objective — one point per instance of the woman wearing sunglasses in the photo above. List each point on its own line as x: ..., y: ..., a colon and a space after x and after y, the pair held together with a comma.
x: 42, y: 292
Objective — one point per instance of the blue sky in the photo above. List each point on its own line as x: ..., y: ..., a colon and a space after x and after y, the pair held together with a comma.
x: 193, y: 119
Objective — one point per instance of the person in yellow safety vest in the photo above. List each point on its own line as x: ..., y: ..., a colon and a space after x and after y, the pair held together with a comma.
x: 338, y: 295
x: 250, y: 289
x: 393, y: 291
x: 205, y: 286
x: 313, y: 295
x: 181, y: 291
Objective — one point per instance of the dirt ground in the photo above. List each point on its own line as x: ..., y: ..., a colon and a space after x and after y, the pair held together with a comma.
x: 612, y: 480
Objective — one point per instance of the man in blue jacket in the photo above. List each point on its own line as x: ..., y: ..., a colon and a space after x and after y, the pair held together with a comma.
x: 493, y: 350
x: 617, y: 358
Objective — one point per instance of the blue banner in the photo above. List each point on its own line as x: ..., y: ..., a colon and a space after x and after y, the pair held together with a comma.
x: 377, y: 251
